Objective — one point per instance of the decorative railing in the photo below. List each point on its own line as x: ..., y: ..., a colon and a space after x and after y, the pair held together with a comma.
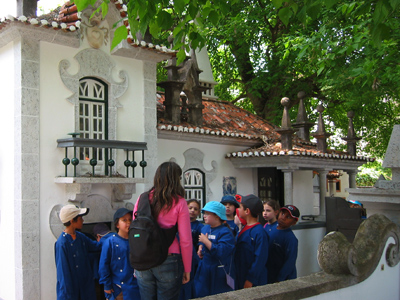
x: 108, y: 145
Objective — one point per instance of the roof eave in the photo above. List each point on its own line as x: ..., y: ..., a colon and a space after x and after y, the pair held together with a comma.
x: 208, y: 138
x: 287, y: 162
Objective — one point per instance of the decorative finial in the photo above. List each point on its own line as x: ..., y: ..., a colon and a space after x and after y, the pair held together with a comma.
x: 302, y: 123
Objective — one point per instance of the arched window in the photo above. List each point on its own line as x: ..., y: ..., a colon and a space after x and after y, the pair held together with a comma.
x: 194, y: 185
x: 93, y: 113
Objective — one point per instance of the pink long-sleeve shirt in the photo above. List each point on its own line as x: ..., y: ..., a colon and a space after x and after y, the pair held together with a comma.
x: 179, y: 213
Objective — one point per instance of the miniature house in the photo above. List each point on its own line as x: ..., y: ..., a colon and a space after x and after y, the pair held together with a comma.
x: 85, y: 125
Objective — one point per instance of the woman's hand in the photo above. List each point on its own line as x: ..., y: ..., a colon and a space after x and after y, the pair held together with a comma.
x: 109, y: 291
x: 186, y: 277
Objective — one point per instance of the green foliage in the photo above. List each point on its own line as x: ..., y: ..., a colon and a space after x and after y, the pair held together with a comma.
x: 370, y: 173
x: 343, y: 54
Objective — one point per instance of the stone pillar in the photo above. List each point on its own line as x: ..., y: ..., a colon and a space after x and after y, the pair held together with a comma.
x: 352, y: 178
x: 26, y: 165
x: 286, y: 131
x: 26, y: 8
x: 351, y: 138
x: 172, y: 100
x: 321, y: 134
x: 322, y: 187
x: 302, y: 123
x: 150, y: 119
x: 288, y: 186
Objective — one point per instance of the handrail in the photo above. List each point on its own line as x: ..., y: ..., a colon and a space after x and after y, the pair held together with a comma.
x: 108, y: 146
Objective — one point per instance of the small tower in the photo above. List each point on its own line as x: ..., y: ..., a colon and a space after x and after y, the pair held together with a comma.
x: 286, y: 131
x: 321, y: 134
x: 351, y: 138
x: 302, y: 124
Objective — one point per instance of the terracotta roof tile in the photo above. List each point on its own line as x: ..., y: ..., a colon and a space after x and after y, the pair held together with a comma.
x: 68, y: 19
x: 224, y: 117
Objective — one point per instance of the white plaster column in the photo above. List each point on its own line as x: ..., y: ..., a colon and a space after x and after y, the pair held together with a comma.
x: 352, y: 178
x: 322, y: 188
x: 150, y: 121
x: 26, y: 164
x: 288, y: 186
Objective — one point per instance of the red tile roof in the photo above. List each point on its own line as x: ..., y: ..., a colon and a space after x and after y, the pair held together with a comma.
x: 222, y: 118
x: 67, y: 18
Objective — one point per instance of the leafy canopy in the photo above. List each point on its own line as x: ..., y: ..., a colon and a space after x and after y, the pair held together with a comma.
x: 343, y: 54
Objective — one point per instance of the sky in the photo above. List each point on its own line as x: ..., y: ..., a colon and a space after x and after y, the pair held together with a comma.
x: 9, y: 7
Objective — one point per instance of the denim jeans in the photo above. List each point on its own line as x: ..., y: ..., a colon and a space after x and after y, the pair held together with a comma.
x: 162, y: 282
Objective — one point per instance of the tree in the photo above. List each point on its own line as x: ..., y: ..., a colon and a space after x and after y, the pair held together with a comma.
x: 342, y: 54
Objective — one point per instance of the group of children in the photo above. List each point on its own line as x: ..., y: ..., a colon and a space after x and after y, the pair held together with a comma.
x: 231, y: 251
x: 234, y: 251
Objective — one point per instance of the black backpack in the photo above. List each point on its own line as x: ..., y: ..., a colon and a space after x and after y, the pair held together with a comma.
x: 148, y: 242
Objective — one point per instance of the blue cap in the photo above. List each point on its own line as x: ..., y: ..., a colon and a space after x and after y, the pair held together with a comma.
x: 355, y: 202
x: 121, y: 212
x: 230, y: 199
x: 216, y: 208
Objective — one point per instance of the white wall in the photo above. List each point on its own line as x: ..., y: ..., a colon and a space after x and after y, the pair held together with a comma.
x: 246, y: 182
x: 382, y: 284
x: 56, y: 120
x: 7, y: 257
x: 303, y: 196
x: 309, y: 239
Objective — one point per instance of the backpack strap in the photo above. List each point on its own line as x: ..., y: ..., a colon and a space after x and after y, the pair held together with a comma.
x: 144, y: 209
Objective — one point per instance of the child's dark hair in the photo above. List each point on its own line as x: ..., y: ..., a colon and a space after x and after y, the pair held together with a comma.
x: 69, y: 222
x: 245, y: 207
x: 273, y: 203
x: 115, y: 225
x: 194, y: 200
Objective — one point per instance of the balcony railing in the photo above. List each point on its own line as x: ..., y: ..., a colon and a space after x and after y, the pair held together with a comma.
x: 131, y: 148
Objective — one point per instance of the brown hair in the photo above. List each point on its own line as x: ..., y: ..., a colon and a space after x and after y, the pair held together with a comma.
x: 167, y: 187
x: 194, y: 200
x: 273, y: 203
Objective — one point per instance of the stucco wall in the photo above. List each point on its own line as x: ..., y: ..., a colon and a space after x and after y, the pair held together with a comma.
x: 57, y: 119
x: 303, y: 196
x: 7, y: 257
x: 245, y: 178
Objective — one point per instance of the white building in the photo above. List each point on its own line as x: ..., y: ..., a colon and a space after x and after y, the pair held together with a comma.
x: 59, y: 77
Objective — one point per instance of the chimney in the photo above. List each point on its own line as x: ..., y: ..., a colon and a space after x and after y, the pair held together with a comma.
x: 26, y: 8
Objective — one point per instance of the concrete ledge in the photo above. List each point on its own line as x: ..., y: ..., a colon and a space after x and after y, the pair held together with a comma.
x: 300, y: 288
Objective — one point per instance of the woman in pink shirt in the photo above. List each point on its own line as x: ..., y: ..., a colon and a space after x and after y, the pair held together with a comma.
x: 168, y: 208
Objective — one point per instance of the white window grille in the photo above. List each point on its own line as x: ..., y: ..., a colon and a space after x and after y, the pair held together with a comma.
x: 194, y: 185
x: 92, y: 116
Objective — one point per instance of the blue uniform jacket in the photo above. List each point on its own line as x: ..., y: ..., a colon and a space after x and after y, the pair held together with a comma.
x: 251, y: 256
x: 95, y: 257
x: 233, y: 227
x: 269, y: 227
x: 210, y: 278
x: 281, y: 263
x: 115, y: 270
x: 75, y: 278
x: 187, y: 290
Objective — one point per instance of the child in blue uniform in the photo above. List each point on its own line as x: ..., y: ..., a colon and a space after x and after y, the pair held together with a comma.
x: 252, y: 245
x: 187, y: 290
x: 231, y: 204
x: 283, y: 246
x: 270, y: 214
x: 101, y: 233
x: 115, y: 271
x: 75, y: 279
x: 215, y: 273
